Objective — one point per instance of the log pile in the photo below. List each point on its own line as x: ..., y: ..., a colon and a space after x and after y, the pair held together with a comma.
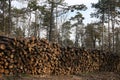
x: 29, y: 55
x: 76, y: 60
x: 38, y: 56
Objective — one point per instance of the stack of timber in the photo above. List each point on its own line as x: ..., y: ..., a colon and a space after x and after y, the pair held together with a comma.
x: 28, y: 55
x: 39, y: 56
x: 76, y: 60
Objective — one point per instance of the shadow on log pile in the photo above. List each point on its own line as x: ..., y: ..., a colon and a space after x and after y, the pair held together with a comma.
x: 38, y: 57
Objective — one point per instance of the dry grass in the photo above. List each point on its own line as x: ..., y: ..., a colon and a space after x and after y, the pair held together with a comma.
x: 84, y: 76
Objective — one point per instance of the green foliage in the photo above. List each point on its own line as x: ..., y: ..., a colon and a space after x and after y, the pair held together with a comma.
x: 19, y: 32
x: 94, y: 34
x: 72, y: 8
x: 55, y: 2
x: 78, y: 26
x: 33, y: 5
x: 108, y: 11
x: 65, y: 34
x: 67, y: 42
x: 46, y: 19
x: 33, y: 31
x: 78, y: 17
x: 18, y: 12
x: 66, y: 27
x: 105, y: 7
x: 3, y: 19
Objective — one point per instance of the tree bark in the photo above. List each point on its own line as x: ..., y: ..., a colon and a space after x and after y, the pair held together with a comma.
x: 9, y: 26
x: 52, y: 29
x: 103, y: 17
x: 4, y: 17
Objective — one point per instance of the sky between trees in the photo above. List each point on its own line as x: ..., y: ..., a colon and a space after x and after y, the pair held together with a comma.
x: 86, y: 13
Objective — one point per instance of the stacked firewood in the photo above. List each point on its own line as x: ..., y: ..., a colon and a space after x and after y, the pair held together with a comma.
x: 38, y: 56
x: 76, y: 60
x: 28, y: 55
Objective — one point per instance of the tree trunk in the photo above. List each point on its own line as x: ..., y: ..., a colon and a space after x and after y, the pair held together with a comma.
x: 29, y: 23
x: 76, y: 37
x: 102, y: 46
x: 109, y: 40
x: 4, y: 17
x: 52, y: 34
x: 94, y: 43
x: 117, y: 41
x: 113, y: 25
x: 9, y: 26
x: 35, y: 29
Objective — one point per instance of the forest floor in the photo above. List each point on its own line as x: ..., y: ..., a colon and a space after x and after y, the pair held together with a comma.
x: 85, y: 76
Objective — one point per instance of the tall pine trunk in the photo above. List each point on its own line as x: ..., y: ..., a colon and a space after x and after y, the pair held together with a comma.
x: 9, y: 26
x: 4, y: 17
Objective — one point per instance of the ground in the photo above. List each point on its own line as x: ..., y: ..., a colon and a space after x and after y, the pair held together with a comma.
x: 84, y: 76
